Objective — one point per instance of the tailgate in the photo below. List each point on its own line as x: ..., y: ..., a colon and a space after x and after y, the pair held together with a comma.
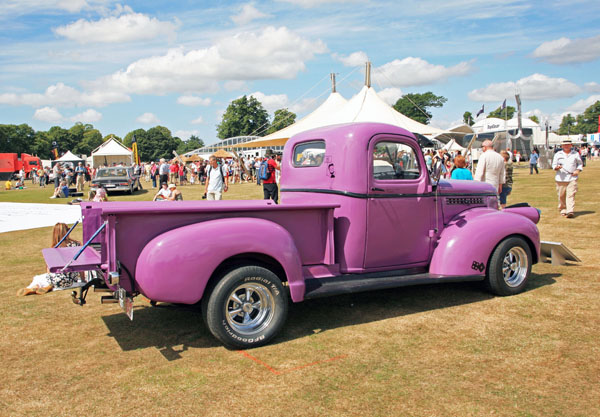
x: 57, y: 258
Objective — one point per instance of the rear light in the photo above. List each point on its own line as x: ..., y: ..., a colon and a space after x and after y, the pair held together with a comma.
x: 94, y: 184
x: 124, y: 183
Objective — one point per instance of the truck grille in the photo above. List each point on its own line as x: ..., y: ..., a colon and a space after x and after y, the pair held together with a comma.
x: 464, y: 201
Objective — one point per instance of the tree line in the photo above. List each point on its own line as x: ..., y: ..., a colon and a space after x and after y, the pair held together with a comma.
x: 82, y: 139
x: 244, y: 117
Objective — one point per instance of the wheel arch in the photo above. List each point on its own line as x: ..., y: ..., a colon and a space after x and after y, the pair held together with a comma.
x: 176, y: 266
x: 467, y: 243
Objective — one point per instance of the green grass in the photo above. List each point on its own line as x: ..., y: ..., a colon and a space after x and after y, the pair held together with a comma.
x: 440, y: 350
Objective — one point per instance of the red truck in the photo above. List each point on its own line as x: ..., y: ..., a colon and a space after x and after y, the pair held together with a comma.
x: 11, y: 164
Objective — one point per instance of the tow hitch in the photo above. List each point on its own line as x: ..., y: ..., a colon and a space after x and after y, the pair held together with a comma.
x: 79, y: 299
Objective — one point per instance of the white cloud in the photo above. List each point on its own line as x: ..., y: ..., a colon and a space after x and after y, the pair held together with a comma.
x: 569, y: 51
x: 316, y: 3
x: 534, y: 87
x: 413, y: 71
x: 303, y: 106
x: 581, y: 105
x: 355, y: 59
x: 236, y: 86
x: 185, y: 134
x: 128, y: 27
x: 48, y: 114
x: 197, y: 121
x: 390, y: 95
x: 22, y: 7
x: 88, y: 116
x: 592, y: 87
x: 147, y: 119
x: 194, y: 101
x: 247, y: 14
x: 272, y: 102
x: 64, y: 96
x: 274, y: 53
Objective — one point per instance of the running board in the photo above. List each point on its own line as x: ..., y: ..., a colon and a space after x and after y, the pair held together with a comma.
x: 352, y: 283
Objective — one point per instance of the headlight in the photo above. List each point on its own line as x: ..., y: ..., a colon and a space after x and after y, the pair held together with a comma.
x: 492, y: 202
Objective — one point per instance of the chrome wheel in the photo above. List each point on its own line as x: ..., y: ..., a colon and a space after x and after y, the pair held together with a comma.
x: 515, y: 266
x: 250, y: 308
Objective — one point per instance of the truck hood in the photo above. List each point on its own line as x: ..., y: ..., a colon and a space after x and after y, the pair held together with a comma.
x: 465, y: 187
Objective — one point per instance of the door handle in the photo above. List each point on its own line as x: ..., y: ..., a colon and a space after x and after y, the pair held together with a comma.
x: 377, y: 189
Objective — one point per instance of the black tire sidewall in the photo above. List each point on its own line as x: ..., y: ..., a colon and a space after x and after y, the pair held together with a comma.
x: 495, y: 278
x: 213, y: 307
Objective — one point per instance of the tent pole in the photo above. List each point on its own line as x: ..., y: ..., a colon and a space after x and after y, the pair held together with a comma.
x: 368, y: 74
x: 333, y: 90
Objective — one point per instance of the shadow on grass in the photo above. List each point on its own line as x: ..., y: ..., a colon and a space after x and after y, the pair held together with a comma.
x: 173, y: 329
x: 583, y: 213
x: 170, y: 328
x: 323, y: 314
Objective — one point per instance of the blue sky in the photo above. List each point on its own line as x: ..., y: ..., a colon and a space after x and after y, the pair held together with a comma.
x: 127, y: 65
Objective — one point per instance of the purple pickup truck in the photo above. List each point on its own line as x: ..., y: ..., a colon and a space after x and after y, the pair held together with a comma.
x: 359, y: 212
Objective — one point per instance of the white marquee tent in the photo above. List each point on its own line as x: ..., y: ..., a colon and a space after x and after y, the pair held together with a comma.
x: 112, y: 151
x: 319, y: 117
x: 453, y: 146
x: 68, y: 157
x: 366, y: 106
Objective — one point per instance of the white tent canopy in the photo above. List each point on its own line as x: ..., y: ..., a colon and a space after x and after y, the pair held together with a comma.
x: 68, y: 157
x: 366, y: 106
x: 319, y: 117
x: 453, y: 146
x: 112, y: 151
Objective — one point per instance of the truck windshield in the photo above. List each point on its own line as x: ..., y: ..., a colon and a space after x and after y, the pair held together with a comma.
x: 309, y: 154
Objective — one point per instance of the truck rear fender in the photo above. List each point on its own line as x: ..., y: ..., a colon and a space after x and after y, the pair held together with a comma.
x: 467, y: 242
x: 177, y: 265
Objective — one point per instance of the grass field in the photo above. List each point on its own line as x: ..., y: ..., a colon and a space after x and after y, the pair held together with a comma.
x: 440, y: 350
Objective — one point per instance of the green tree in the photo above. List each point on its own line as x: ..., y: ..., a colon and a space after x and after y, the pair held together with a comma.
x: 153, y: 144
x: 567, y: 125
x: 64, y: 139
x: 414, y: 105
x: 282, y: 118
x: 194, y: 142
x: 468, y: 118
x: 42, y: 145
x: 16, y: 138
x: 535, y: 119
x: 587, y: 122
x: 501, y: 113
x: 244, y: 116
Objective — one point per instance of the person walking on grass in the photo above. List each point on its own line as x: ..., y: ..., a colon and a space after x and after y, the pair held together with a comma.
x: 490, y: 167
x: 567, y: 164
x: 533, y: 161
x: 216, y: 180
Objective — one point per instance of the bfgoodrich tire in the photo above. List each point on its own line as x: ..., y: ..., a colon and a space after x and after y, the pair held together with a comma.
x: 246, y: 308
x: 509, y: 267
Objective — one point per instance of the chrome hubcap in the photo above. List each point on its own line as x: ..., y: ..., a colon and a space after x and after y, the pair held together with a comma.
x: 515, y: 266
x: 250, y: 308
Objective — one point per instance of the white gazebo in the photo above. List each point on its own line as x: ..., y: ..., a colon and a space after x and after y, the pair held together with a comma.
x: 112, y: 151
x: 68, y: 157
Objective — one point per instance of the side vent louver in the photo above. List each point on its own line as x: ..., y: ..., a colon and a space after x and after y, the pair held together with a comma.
x: 465, y: 201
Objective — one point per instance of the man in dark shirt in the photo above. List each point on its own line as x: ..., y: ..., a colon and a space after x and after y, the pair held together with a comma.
x: 270, y: 189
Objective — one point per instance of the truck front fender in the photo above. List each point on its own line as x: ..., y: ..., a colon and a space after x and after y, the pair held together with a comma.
x: 467, y: 242
x: 176, y: 265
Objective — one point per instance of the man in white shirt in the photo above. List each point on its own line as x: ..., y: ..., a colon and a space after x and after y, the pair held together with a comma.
x: 216, y: 180
x: 568, y: 164
x: 490, y: 167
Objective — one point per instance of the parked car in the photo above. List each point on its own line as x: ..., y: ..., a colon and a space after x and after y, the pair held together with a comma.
x: 117, y: 179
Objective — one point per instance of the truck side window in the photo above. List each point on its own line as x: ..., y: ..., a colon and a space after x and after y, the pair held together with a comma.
x: 309, y: 154
x: 395, y: 161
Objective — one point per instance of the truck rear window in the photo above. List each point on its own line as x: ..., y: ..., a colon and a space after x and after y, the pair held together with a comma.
x: 309, y: 154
